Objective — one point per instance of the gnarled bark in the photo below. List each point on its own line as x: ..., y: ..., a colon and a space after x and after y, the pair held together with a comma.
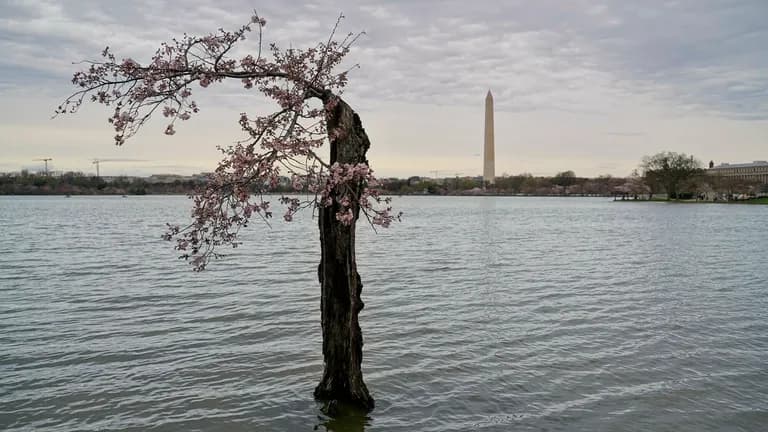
x: 340, y: 301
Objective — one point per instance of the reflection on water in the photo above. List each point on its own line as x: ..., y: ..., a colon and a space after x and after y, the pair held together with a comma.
x: 481, y: 313
x: 340, y: 418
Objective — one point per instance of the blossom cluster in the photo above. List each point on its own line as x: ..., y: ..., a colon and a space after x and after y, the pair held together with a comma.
x: 351, y: 187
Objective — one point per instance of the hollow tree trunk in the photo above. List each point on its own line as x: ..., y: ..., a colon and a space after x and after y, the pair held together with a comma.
x: 340, y: 301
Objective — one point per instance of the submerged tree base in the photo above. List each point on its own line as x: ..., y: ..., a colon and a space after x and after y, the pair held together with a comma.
x: 333, y: 399
x: 343, y: 417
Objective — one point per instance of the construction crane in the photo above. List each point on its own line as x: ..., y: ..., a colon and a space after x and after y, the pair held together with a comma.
x: 46, y: 163
x: 436, y: 173
x: 452, y: 172
x: 99, y: 161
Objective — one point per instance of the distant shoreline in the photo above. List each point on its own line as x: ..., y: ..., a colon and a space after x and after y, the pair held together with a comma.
x: 752, y: 201
x: 387, y: 193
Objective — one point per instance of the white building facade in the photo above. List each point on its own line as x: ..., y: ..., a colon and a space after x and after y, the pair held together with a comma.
x: 754, y: 171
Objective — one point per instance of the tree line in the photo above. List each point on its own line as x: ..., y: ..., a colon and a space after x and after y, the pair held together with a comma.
x: 563, y: 183
x: 77, y: 183
x: 669, y: 174
x: 682, y: 176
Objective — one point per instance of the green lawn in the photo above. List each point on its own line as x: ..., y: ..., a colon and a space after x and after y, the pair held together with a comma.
x: 763, y: 201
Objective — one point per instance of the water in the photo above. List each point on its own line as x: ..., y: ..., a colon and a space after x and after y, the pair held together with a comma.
x: 481, y: 313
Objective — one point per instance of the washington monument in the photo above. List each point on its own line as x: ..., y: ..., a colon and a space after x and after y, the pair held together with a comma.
x: 489, y: 166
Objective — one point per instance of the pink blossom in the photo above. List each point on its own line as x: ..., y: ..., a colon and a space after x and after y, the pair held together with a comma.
x: 258, y: 20
x: 345, y: 217
x: 129, y: 64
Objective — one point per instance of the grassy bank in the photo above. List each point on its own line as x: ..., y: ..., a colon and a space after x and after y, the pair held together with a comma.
x: 759, y: 201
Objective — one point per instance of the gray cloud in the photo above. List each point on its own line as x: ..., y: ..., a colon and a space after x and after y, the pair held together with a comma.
x: 704, y: 56
x: 626, y: 134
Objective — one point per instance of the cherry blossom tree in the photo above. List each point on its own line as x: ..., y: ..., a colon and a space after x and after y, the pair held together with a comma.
x: 307, y: 89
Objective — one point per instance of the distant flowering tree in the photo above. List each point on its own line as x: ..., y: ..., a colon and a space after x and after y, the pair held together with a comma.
x: 283, y: 143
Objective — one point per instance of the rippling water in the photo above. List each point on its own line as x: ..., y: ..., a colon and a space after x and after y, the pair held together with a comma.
x: 481, y: 314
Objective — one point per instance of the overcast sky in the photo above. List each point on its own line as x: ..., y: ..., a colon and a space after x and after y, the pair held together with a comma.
x: 588, y: 86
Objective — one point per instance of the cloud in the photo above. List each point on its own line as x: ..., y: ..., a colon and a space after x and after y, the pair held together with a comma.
x: 708, y: 56
x: 626, y: 134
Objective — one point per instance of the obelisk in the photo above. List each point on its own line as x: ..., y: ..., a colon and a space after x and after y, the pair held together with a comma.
x: 489, y: 165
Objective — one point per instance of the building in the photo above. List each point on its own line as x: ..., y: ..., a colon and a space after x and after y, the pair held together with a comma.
x: 489, y: 159
x: 754, y: 171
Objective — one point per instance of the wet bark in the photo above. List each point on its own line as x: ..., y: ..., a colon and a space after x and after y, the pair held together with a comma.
x: 340, y: 301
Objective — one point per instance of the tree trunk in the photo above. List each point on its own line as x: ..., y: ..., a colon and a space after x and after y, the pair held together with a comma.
x: 340, y: 301
x: 671, y: 192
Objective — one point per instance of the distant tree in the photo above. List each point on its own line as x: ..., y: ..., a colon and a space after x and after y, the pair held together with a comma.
x: 692, y: 186
x: 465, y: 183
x: 636, y: 186
x: 281, y: 143
x: 669, y: 170
x: 564, y: 179
x: 511, y: 184
x: 733, y: 186
x: 601, y: 185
